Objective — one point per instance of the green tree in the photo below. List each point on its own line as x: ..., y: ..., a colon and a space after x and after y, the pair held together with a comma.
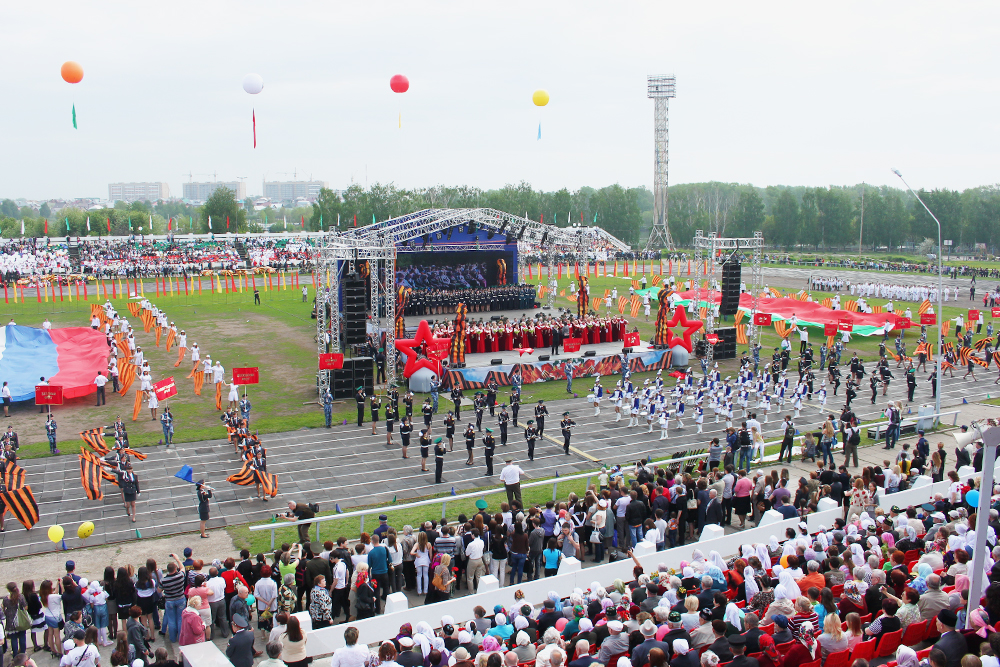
x: 749, y: 214
x: 786, y: 218
x: 809, y: 230
x: 221, y: 204
x: 45, y: 211
x: 835, y: 215
x: 326, y: 208
x: 8, y: 208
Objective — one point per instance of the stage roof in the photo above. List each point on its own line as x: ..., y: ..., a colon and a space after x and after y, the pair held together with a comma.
x: 534, y: 235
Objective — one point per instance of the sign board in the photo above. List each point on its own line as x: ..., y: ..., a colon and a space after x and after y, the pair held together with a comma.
x: 973, y: 315
x: 762, y: 319
x: 333, y: 361
x: 632, y: 339
x: 904, y: 323
x: 995, y: 312
x: 829, y: 329
x: 948, y: 242
x: 712, y: 338
x: 572, y: 344
x: 165, y: 388
x: 47, y: 394
x: 246, y: 376
x: 931, y: 319
x: 845, y: 325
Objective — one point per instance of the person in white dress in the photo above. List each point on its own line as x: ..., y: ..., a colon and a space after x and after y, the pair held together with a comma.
x: 234, y: 394
x: 152, y: 402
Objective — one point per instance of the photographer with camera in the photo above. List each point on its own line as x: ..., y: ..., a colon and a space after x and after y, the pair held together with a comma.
x: 300, y: 512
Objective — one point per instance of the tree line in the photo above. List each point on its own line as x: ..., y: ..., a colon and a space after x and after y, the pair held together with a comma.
x: 788, y: 216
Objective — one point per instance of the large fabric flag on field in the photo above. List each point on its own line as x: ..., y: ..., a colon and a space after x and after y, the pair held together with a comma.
x: 69, y: 357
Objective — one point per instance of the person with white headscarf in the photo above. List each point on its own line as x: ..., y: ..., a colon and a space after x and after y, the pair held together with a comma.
x: 423, y: 635
x: 698, y: 561
x: 764, y: 555
x: 857, y: 555
x: 788, y: 581
x: 750, y: 582
x: 774, y: 548
x: 715, y: 558
x: 784, y: 604
x: 734, y: 616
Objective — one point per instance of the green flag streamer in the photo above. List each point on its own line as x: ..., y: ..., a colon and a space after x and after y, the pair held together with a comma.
x: 74, y: 117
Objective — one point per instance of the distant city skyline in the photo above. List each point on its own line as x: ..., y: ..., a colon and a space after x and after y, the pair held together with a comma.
x: 766, y: 94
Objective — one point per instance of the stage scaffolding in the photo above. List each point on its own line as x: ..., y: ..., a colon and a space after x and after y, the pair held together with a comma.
x: 379, y: 244
x: 712, y: 250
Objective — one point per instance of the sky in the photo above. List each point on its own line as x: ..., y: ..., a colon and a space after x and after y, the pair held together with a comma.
x: 769, y: 93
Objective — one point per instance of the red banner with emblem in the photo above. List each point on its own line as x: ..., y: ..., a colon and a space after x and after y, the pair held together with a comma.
x: 165, y: 388
x: 930, y: 319
x: 246, y: 375
x: 333, y: 361
x: 47, y: 394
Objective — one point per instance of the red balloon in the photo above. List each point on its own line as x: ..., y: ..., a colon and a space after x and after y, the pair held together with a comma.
x: 399, y: 84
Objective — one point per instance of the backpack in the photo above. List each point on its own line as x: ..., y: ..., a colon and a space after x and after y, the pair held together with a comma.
x: 744, y: 439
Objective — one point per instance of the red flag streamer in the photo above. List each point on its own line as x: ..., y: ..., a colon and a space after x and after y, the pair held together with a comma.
x: 114, y: 290
x: 77, y: 292
x: 254, y: 112
x: 186, y: 284
x: 38, y: 291
x: 109, y: 225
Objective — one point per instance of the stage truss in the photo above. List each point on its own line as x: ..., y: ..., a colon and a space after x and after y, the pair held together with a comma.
x: 709, y: 248
x: 380, y: 242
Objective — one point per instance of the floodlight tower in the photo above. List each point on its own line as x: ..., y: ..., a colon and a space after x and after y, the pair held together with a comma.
x: 660, y: 88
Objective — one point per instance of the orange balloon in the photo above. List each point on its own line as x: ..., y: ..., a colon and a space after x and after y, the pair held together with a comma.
x: 71, y: 72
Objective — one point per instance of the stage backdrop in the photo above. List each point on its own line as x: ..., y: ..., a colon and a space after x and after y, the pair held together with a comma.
x: 466, y: 255
x: 540, y: 371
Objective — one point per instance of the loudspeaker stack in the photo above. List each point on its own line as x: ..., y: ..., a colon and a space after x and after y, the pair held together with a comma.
x: 355, y: 310
x: 731, y: 270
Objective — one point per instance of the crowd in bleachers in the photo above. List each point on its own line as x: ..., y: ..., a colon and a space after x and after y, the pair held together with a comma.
x: 20, y: 258
x: 134, y: 259
x: 281, y: 254
x: 874, y: 584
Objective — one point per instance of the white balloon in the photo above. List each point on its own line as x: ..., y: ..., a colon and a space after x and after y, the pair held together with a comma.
x: 253, y: 83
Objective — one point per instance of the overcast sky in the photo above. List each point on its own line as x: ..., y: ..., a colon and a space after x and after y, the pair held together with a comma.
x: 768, y: 93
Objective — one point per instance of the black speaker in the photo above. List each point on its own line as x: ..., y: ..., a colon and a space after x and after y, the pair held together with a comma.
x: 731, y: 270
x: 496, y: 362
x: 543, y: 357
x: 357, y: 372
x: 590, y: 353
x: 726, y: 347
x: 626, y: 350
x: 355, y: 310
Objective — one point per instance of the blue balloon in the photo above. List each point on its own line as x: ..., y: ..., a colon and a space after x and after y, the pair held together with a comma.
x: 972, y: 497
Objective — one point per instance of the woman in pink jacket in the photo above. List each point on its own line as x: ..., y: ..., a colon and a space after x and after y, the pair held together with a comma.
x: 192, y: 627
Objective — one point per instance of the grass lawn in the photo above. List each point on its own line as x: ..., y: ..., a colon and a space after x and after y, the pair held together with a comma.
x: 277, y: 337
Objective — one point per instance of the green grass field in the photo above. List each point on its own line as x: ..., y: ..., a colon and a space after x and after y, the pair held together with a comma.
x: 277, y: 337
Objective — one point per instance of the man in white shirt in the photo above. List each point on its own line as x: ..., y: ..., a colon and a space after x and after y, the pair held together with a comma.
x: 352, y: 655
x: 340, y: 593
x: 218, y: 372
x: 803, y: 340
x: 475, y: 568
x: 266, y: 592
x: 82, y: 655
x: 217, y: 600
x: 511, y: 478
x: 46, y: 324
x: 99, y: 382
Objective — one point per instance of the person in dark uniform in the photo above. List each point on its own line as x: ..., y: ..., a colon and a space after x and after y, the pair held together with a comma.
x: 439, y: 451
x: 932, y: 378
x: 851, y: 393
x: 449, y: 431
x: 425, y: 447
x: 456, y: 397
x: 408, y: 403
x: 405, y: 429
x: 503, y: 420
x: 129, y: 486
x: 376, y: 404
x: 390, y: 421
x: 428, y: 411
x: 50, y: 432
x: 491, y: 396
x: 566, y: 424
x: 491, y: 444
x: 540, y: 412
x: 515, y: 404
x: 834, y: 375
x: 531, y: 434
x: 360, y: 397
x: 204, y: 495
x: 393, y: 397
x: 874, y: 383
x: 479, y: 405
x: 911, y: 383
x: 470, y: 442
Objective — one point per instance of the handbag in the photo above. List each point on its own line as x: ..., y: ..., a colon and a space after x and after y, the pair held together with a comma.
x: 22, y: 621
x: 438, y: 583
x: 692, y: 503
x: 595, y: 537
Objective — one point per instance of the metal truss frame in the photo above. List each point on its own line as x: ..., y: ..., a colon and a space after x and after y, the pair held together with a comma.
x: 380, y: 242
x: 660, y: 89
x: 705, y: 250
x: 335, y: 253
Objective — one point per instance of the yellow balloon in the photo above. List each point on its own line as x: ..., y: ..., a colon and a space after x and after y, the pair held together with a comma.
x: 85, y: 530
x: 56, y: 533
x: 540, y: 98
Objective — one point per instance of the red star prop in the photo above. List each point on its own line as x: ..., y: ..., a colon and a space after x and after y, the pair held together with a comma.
x: 690, y: 327
x: 408, y: 347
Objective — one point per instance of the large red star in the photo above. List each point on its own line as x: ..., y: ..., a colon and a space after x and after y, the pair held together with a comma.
x: 408, y: 348
x: 690, y: 327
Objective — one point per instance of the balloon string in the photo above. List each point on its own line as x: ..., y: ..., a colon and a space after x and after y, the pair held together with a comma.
x: 254, y: 116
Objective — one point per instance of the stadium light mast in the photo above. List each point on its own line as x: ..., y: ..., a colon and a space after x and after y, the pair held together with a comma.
x: 660, y: 88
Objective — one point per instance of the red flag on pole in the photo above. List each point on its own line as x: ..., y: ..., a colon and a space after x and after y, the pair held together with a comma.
x: 46, y: 226
x: 227, y: 222
x: 109, y: 225
x: 355, y: 224
x: 60, y: 291
x: 114, y: 289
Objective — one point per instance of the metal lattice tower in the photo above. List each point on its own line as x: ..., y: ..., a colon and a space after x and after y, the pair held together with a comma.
x: 660, y: 88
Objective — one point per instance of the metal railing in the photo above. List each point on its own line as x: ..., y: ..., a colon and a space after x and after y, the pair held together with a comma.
x: 555, y: 481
